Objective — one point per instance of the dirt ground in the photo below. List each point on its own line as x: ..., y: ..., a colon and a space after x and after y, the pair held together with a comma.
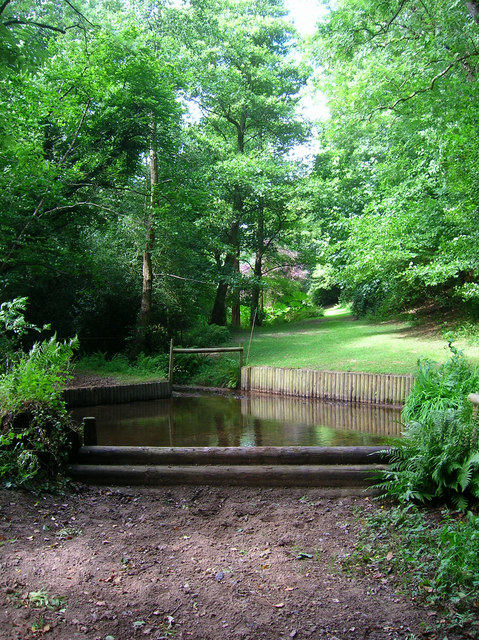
x: 197, y: 563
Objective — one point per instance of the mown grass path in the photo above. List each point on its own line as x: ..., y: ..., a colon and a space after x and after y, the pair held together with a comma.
x: 339, y: 342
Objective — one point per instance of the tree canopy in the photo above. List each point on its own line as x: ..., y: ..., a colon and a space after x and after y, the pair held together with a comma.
x: 399, y: 165
x: 147, y: 182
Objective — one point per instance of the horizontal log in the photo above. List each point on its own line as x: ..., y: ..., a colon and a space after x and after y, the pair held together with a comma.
x: 231, y: 455
x: 262, y: 476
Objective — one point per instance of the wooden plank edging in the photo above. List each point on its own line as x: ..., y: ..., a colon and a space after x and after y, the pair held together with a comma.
x: 116, y: 394
x: 342, y: 386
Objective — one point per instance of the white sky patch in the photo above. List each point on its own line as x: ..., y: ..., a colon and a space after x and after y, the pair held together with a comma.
x: 305, y: 14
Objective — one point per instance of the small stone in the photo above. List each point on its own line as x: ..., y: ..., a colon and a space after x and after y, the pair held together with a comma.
x: 219, y: 576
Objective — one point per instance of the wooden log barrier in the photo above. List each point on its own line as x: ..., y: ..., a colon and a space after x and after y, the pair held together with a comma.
x: 238, y: 456
x: 116, y: 394
x: 329, y: 476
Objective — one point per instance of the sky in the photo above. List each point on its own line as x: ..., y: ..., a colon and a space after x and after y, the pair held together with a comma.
x: 305, y: 14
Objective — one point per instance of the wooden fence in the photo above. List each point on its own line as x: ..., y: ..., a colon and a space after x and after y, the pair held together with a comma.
x: 117, y: 394
x: 201, y: 350
x: 342, y: 386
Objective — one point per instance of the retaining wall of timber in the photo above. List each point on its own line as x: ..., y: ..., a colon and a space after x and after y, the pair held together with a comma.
x: 118, y: 394
x: 341, y: 386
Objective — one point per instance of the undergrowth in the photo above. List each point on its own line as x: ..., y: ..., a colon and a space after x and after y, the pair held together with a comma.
x: 119, y: 366
x: 435, y: 561
x: 437, y: 459
x: 441, y: 387
x: 36, y: 432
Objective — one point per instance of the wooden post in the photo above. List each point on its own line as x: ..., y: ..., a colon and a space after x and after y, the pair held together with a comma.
x: 170, y: 368
x: 89, y: 432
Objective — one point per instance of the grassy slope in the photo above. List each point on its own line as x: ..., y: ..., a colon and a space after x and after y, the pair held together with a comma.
x: 340, y: 343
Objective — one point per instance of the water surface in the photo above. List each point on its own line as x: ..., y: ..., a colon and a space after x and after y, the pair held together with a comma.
x: 208, y: 419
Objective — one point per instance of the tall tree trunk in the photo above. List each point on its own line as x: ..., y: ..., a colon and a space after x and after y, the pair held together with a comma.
x: 146, y: 305
x: 230, y: 265
x: 218, y: 313
x: 256, y: 313
x: 236, y: 306
x: 231, y: 262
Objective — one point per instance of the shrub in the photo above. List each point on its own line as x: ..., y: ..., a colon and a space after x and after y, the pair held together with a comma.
x: 437, y: 460
x: 324, y: 290
x: 206, y: 335
x: 119, y: 366
x: 12, y: 327
x: 218, y: 372
x: 440, y: 387
x: 438, y: 456
x: 36, y: 432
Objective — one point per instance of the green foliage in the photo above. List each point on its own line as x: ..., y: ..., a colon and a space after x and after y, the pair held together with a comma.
x: 37, y: 376
x: 467, y: 331
x: 439, y: 387
x: 206, y: 335
x: 285, y: 301
x: 186, y: 366
x: 36, y: 434
x: 13, y: 326
x: 394, y: 188
x: 438, y: 457
x: 294, y: 310
x: 436, y: 460
x: 436, y: 561
x: 217, y: 372
x: 323, y: 290
x: 121, y: 367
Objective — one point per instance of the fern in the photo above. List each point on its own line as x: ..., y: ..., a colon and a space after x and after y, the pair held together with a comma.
x: 437, y: 459
x: 466, y: 472
x: 36, y: 431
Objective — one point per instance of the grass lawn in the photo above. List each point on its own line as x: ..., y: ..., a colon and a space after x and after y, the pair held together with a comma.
x: 339, y: 342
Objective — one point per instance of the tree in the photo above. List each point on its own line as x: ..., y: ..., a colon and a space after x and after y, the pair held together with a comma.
x: 83, y: 126
x: 401, y: 77
x: 246, y: 88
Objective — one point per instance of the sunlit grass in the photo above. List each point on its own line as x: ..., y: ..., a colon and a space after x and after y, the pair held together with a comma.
x: 341, y: 343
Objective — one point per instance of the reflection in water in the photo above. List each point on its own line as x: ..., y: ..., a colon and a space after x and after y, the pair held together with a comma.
x: 198, y: 420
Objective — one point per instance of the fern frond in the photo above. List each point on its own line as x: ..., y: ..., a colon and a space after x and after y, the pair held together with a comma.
x: 467, y: 469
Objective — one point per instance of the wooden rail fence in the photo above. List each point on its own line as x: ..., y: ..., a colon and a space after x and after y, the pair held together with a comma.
x: 203, y: 350
x: 342, y: 386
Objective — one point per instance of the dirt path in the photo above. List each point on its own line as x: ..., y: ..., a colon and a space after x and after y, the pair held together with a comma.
x: 194, y: 563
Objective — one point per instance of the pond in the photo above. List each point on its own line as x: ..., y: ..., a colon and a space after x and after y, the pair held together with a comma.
x: 228, y: 420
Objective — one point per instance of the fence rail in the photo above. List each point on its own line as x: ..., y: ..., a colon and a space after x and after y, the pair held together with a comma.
x: 343, y: 386
x: 204, y: 350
